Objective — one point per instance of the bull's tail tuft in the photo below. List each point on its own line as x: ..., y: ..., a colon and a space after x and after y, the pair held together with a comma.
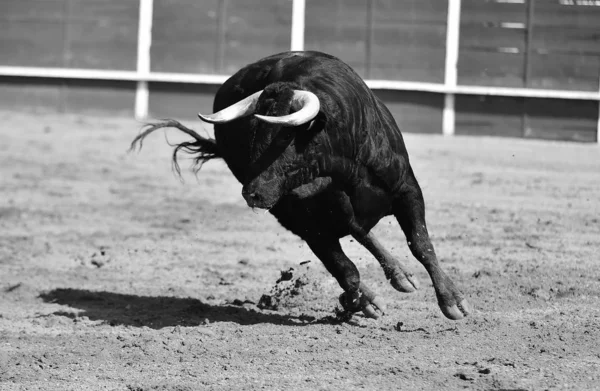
x: 203, y: 148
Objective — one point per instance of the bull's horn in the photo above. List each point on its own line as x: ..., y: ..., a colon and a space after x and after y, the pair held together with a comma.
x: 309, y: 108
x: 240, y: 109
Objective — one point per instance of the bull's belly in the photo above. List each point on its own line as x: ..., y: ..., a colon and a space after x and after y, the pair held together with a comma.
x: 324, y: 216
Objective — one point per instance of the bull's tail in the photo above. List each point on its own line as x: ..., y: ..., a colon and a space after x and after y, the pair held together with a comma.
x: 203, y: 148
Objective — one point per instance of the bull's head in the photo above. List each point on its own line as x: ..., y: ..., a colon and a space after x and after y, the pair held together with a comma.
x: 278, y: 164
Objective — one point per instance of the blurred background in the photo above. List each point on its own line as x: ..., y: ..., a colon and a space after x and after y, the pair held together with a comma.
x: 517, y: 68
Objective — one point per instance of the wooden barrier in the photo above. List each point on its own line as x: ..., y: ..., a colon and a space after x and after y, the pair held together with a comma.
x: 526, y: 68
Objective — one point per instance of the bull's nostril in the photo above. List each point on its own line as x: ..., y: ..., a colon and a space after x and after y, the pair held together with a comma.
x: 252, y: 198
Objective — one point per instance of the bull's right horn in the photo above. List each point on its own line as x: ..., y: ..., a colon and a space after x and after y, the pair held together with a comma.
x: 240, y: 109
x: 309, y: 108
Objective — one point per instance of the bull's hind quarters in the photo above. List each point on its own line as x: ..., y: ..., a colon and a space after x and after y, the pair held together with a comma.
x: 311, y: 144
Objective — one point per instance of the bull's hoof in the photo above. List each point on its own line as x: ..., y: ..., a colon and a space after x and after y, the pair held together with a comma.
x: 373, y: 308
x: 456, y: 311
x: 350, y: 301
x: 404, y: 282
x: 371, y: 305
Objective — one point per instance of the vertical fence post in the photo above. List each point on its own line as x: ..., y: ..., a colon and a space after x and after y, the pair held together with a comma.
x: 298, y: 11
x: 452, y: 47
x: 143, y: 58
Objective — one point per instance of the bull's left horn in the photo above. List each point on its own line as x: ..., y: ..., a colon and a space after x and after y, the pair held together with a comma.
x: 240, y: 109
x: 309, y: 108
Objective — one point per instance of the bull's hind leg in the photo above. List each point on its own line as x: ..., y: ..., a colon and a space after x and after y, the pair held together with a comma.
x: 356, y: 296
x: 409, y: 209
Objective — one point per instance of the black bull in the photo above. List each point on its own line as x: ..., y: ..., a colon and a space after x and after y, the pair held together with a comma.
x: 312, y: 144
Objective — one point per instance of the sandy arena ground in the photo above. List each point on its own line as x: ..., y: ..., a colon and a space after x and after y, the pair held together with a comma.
x: 115, y: 275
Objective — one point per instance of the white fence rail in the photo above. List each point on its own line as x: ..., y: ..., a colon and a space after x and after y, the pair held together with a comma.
x: 449, y: 88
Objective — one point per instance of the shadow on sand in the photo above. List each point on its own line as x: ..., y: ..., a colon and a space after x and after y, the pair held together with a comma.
x: 158, y: 312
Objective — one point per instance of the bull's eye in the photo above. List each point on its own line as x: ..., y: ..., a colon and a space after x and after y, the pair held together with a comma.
x: 287, y: 136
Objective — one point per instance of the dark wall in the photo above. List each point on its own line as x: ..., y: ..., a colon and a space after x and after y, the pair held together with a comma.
x: 538, y: 43
x: 551, y: 44
x: 67, y: 96
x: 217, y: 36
x: 176, y: 100
x: 381, y: 39
x: 415, y: 112
x: 94, y: 34
x: 551, y: 119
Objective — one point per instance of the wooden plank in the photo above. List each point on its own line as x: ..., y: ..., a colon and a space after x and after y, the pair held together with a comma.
x: 32, y: 11
x: 489, y: 116
x: 546, y: 118
x: 32, y: 32
x: 415, y: 112
x: 478, y: 37
x: 492, y: 13
x: 180, y: 100
x: 492, y: 43
x: 86, y: 34
x: 23, y: 45
x: 184, y: 36
x: 256, y: 29
x: 565, y: 45
x: 576, y: 41
x: 111, y: 11
x: 408, y: 63
x: 564, y: 71
x: 102, y: 34
x: 35, y: 94
x: 408, y: 52
x: 411, y: 11
x: 100, y: 97
x: 338, y: 27
x: 490, y: 68
x: 561, y: 14
x: 561, y: 120
x: 72, y: 96
x: 407, y: 37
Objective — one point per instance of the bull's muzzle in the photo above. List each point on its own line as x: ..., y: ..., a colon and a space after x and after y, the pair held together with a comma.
x: 262, y: 194
x: 265, y: 190
x: 253, y: 199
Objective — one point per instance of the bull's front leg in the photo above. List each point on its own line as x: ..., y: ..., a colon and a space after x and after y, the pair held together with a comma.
x: 356, y: 296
